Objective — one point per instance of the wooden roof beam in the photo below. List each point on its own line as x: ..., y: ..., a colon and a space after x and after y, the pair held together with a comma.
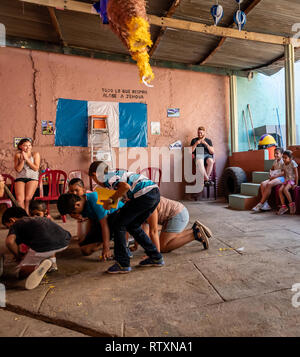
x: 163, y: 29
x: 177, y: 24
x: 219, y: 31
x: 56, y: 26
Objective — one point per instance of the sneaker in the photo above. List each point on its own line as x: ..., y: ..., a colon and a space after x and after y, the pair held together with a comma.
x: 149, y: 262
x: 130, y: 242
x: 292, y: 208
x: 1, y: 264
x: 200, y: 236
x: 118, y: 269
x: 266, y: 207
x: 257, y: 208
x: 282, y: 210
x: 37, y: 275
x: 129, y: 253
x: 207, y: 231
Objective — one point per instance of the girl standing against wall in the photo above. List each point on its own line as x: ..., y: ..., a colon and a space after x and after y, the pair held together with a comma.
x: 27, y: 165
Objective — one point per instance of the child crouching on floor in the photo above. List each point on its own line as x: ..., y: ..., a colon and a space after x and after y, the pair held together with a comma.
x: 99, y: 224
x: 43, y: 237
x: 290, y: 182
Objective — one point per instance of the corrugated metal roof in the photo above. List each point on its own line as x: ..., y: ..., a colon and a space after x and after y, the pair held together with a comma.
x: 33, y: 22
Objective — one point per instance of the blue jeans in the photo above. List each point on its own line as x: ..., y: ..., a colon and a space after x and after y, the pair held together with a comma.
x: 130, y: 218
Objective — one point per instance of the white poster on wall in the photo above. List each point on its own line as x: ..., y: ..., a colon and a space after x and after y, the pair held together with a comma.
x: 111, y: 110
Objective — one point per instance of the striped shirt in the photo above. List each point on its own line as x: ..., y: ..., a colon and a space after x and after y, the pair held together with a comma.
x: 139, y: 184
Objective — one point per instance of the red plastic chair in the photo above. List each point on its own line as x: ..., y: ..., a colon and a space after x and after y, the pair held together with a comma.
x: 54, y: 178
x: 153, y: 173
x: 4, y: 199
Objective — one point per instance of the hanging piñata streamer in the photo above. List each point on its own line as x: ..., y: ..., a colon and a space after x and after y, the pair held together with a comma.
x: 217, y: 13
x: 240, y: 17
x: 128, y: 19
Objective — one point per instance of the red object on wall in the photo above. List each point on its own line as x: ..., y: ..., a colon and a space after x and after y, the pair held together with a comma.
x: 153, y: 173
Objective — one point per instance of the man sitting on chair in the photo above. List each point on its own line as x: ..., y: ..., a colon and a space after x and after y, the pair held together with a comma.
x: 203, y: 163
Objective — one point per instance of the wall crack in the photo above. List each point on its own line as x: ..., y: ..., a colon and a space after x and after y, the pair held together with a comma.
x: 35, y: 100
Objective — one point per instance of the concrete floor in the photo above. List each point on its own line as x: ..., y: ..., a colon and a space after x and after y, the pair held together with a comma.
x: 241, y: 286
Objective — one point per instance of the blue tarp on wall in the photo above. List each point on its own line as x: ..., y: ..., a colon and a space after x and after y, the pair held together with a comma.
x: 71, y: 123
x: 133, y: 124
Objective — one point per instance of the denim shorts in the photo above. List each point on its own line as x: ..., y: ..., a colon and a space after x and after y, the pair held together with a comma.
x: 177, y: 223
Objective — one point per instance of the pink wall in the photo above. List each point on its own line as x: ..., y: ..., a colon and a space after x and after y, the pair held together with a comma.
x: 32, y: 81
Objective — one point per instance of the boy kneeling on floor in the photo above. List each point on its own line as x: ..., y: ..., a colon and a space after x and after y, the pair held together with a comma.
x: 100, y: 221
x: 44, y: 238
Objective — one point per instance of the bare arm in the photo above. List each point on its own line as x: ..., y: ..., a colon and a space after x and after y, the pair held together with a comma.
x: 36, y: 161
x: 278, y: 175
x: 19, y: 162
x: 195, y: 145
x: 106, y: 253
x: 209, y: 148
x: 12, y: 245
x: 123, y: 187
x: 296, y: 177
x: 153, y: 229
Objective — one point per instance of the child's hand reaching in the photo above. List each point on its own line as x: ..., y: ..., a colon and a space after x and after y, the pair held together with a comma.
x: 106, y: 253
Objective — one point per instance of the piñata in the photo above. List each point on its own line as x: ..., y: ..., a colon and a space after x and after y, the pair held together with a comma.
x: 128, y: 19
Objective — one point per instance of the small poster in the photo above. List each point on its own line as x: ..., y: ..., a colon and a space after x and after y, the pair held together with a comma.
x: 47, y: 127
x: 16, y: 142
x: 173, y: 113
x: 155, y: 128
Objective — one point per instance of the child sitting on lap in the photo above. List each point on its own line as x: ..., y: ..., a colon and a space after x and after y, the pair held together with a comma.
x: 276, y: 178
x: 43, y: 237
x: 290, y: 182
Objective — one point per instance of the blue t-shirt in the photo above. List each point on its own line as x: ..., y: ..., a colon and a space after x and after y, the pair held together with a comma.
x: 95, y: 211
x: 139, y: 184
